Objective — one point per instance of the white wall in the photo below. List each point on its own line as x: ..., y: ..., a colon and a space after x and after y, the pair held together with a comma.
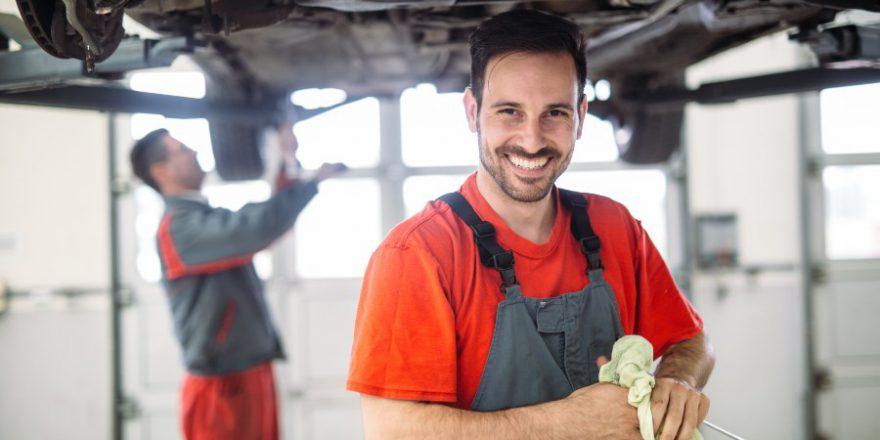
x: 743, y: 159
x: 55, y: 359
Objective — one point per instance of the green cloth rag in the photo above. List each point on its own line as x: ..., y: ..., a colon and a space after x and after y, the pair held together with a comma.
x: 629, y: 367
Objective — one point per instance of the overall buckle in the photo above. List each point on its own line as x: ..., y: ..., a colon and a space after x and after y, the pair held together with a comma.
x: 483, y: 230
x: 590, y: 244
x: 502, y: 261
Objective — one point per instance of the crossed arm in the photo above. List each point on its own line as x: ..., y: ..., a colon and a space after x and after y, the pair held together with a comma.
x: 599, y: 411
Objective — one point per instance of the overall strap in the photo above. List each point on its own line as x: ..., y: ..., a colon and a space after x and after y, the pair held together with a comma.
x: 581, y: 227
x: 491, y: 253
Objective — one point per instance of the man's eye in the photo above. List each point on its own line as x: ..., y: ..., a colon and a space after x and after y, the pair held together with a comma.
x: 558, y: 113
x: 507, y: 111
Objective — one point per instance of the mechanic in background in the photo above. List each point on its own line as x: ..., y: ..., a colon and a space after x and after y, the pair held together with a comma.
x: 220, y: 315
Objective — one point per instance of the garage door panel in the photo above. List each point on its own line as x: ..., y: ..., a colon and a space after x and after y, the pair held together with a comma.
x: 320, y: 334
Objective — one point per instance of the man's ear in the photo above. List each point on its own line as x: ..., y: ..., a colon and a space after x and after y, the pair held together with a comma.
x: 582, y: 113
x: 159, y: 172
x: 470, y: 108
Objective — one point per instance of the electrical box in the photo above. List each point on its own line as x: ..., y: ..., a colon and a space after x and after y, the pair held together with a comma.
x: 717, y: 242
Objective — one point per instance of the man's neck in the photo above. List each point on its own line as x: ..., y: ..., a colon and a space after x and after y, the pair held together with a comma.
x: 533, y: 221
x: 179, y: 191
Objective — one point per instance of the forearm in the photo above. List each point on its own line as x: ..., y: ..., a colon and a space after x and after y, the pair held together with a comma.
x: 690, y: 360
x: 396, y: 419
x: 262, y: 223
x: 208, y: 236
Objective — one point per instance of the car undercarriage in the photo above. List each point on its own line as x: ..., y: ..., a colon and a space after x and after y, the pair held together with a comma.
x: 255, y: 53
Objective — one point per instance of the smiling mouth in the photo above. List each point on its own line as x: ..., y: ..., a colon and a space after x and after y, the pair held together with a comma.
x: 528, y: 164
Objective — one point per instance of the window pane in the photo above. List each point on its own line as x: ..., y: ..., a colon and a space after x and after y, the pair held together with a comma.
x: 339, y: 229
x: 849, y: 119
x: 852, y: 212
x: 643, y: 192
x: 348, y: 134
x: 434, y: 128
x: 419, y: 190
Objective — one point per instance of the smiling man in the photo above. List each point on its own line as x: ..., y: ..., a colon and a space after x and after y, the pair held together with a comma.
x: 488, y: 314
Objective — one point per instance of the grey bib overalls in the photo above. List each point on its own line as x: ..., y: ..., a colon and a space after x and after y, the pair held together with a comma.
x: 543, y: 349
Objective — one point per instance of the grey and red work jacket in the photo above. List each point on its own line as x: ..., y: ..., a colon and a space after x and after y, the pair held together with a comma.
x: 220, y: 314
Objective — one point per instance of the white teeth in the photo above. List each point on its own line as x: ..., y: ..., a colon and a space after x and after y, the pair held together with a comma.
x: 528, y: 164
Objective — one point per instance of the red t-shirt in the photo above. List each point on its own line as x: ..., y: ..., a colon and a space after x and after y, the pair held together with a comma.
x: 427, y: 307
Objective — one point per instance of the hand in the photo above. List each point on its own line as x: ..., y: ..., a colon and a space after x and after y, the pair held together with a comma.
x: 328, y: 170
x: 679, y: 407
x: 603, y: 412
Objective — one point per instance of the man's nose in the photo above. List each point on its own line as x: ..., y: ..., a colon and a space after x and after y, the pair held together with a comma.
x: 532, y: 135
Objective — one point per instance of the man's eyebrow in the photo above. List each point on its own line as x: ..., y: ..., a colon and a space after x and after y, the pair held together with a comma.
x: 560, y: 105
x: 554, y: 106
x: 506, y: 104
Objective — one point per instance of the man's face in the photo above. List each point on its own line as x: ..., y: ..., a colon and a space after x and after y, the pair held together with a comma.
x: 528, y: 122
x: 181, y: 165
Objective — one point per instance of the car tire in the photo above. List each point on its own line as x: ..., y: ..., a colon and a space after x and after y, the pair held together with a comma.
x: 648, y: 135
x: 238, y: 153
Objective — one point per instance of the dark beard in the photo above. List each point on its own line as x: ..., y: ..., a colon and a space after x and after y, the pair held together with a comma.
x: 536, y: 189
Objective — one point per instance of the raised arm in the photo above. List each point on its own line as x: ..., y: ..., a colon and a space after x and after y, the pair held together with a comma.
x: 191, y: 238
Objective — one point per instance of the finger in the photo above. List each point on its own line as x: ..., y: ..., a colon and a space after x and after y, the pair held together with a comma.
x: 704, y: 408
x: 601, y: 360
x: 659, y: 403
x: 674, y: 414
x: 691, y: 416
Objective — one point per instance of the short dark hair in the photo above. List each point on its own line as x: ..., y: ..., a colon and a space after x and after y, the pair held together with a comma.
x: 529, y: 31
x: 148, y: 151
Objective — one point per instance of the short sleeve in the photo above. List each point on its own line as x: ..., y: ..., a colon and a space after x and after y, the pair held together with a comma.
x: 663, y: 315
x: 404, y: 341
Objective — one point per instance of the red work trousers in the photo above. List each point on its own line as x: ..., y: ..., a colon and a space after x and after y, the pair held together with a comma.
x: 237, y: 406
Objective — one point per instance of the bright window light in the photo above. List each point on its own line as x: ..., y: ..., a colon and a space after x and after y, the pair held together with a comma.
x: 329, y: 242
x: 347, y: 134
x: 234, y: 196
x: 603, y: 90
x: 852, y: 211
x: 186, y: 84
x: 849, y: 117
x: 596, y: 143
x: 589, y: 91
x: 317, y: 98
x: 434, y: 129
